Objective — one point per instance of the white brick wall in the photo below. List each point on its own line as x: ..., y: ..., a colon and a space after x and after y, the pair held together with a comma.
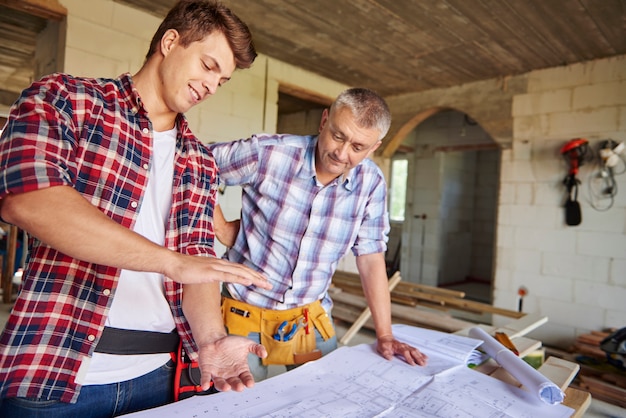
x: 580, y: 284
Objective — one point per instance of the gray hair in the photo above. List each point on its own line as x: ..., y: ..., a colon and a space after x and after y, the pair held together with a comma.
x: 369, y: 109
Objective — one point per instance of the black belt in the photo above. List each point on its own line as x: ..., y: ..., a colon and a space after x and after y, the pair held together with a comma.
x: 128, y: 341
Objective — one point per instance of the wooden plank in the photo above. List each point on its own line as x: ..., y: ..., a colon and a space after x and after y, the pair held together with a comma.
x: 560, y: 372
x: 523, y: 325
x: 47, y: 9
x: 578, y: 400
x: 404, y: 314
x: 356, y: 326
x: 604, y: 391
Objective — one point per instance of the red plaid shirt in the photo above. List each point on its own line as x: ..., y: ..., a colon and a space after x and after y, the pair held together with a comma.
x: 94, y: 135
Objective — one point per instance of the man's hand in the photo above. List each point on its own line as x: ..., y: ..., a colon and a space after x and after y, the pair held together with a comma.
x: 189, y: 269
x: 389, y: 347
x: 226, y: 362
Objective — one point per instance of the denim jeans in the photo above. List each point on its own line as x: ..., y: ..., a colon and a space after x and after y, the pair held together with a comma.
x: 260, y: 372
x: 148, y: 391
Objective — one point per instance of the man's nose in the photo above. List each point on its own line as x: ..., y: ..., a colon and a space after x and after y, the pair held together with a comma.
x: 211, y: 84
x: 343, y: 150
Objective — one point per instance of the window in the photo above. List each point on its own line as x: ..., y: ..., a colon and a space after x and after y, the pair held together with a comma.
x: 397, y: 193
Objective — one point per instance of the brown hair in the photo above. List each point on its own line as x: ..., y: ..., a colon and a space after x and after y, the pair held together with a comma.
x: 195, y: 19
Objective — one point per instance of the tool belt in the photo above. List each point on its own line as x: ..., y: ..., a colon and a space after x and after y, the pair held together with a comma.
x: 127, y: 341
x: 288, y: 335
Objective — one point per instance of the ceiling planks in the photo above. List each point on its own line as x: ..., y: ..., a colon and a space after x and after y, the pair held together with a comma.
x: 391, y: 46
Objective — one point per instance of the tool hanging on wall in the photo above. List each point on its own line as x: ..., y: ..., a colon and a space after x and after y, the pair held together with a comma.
x: 574, y: 152
x: 602, y: 184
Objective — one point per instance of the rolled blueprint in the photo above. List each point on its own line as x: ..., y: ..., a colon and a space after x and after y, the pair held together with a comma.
x: 534, y: 381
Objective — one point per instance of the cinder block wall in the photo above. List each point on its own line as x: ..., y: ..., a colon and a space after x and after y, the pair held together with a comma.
x: 576, y: 275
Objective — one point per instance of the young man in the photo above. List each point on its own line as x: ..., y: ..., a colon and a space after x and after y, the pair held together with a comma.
x: 307, y: 200
x: 118, y: 197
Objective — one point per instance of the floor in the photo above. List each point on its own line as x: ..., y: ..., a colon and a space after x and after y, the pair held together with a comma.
x: 598, y: 409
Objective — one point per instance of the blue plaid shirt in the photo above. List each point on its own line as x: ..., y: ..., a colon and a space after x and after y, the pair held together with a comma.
x: 293, y: 229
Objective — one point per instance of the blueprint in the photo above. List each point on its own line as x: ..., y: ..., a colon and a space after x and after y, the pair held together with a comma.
x: 358, y: 382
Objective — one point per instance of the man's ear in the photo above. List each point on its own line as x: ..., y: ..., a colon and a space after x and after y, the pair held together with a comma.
x: 374, y: 148
x: 324, y: 119
x: 170, y: 38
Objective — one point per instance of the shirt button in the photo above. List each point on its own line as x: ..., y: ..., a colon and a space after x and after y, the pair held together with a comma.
x: 146, y: 166
x: 91, y: 337
x: 145, y: 131
x: 133, y: 204
x: 106, y: 292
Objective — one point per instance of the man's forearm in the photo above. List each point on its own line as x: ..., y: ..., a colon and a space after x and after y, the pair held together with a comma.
x: 375, y: 285
x: 202, y: 308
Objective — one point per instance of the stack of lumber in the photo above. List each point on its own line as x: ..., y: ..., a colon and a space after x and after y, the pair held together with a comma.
x: 412, y: 304
x: 603, y: 380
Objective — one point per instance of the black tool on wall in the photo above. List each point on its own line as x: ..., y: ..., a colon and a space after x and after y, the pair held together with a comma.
x: 574, y: 151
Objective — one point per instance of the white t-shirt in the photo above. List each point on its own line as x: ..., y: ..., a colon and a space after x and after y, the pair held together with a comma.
x: 139, y: 302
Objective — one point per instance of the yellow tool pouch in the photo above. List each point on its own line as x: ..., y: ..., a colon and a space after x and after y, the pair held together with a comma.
x: 286, y: 345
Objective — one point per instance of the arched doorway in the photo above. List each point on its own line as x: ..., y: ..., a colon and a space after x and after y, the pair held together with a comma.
x: 448, y: 230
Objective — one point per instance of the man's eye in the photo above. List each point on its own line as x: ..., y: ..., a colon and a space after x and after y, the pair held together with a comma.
x: 205, y: 66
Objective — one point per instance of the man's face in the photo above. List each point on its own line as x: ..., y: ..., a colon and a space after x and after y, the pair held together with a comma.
x: 342, y: 144
x: 191, y: 74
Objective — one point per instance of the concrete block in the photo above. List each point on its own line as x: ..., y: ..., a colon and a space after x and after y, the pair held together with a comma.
x: 217, y: 104
x: 542, y: 103
x: 524, y: 194
x: 522, y: 150
x: 134, y: 23
x: 103, y: 41
x: 618, y: 272
x: 97, y: 11
x: 574, y: 315
x: 599, y: 95
x: 599, y: 295
x: 529, y: 127
x: 554, y: 335
x: 558, y: 288
x: 615, y: 318
x: 505, y: 299
x: 601, y: 221
x: 517, y: 171
x: 550, y: 193
x: 507, y: 193
x: 573, y: 266
x: 602, y: 244
x: 506, y: 236
x: 527, y: 261
x: 532, y: 216
x: 558, y: 241
x: 82, y: 63
x: 583, y: 123
x: 557, y: 78
x: 610, y: 69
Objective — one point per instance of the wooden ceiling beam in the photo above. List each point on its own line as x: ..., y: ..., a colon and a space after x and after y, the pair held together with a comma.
x: 47, y: 9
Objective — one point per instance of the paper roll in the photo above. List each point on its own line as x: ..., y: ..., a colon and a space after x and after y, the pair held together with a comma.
x: 534, y: 381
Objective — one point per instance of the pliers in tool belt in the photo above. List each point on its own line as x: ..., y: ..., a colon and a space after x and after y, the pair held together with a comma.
x: 279, y: 335
x: 296, y: 326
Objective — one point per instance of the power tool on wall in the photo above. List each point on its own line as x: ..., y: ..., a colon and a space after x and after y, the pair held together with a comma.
x: 575, y: 152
